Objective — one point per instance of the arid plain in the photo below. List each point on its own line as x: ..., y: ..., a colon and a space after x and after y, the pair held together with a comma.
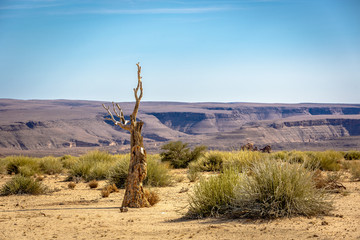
x: 82, y: 213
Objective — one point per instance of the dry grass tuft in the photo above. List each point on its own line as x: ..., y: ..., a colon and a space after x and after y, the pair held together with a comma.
x: 330, y: 182
x: 71, y: 185
x: 105, y: 193
x: 152, y: 197
x: 93, y: 184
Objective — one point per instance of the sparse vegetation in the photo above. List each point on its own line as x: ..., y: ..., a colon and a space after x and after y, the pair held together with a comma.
x: 273, y: 189
x: 105, y: 193
x: 212, y: 162
x: 152, y: 197
x: 265, y: 189
x: 94, y: 165
x: 93, y: 184
x: 179, y: 155
x: 352, y: 155
x: 157, y: 173
x: 355, y: 171
x: 328, y: 160
x: 51, y: 165
x: 212, y: 196
x: 23, y: 165
x: 71, y: 185
x: 118, y: 174
x: 23, y: 185
x: 193, y: 173
x: 68, y: 161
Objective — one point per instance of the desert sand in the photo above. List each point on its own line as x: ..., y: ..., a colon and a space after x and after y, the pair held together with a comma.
x: 82, y: 213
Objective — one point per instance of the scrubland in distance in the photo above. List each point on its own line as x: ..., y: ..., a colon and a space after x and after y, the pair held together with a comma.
x: 246, y: 184
x: 23, y: 185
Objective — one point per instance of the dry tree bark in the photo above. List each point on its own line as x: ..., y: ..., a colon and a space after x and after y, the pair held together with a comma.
x: 134, y: 193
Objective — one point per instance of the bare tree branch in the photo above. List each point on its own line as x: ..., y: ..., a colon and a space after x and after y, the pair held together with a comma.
x: 121, y: 124
x: 136, y: 92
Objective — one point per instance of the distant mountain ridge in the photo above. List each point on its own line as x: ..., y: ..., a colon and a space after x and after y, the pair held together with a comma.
x: 55, y: 127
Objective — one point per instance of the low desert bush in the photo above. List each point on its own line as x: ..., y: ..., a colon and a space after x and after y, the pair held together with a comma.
x: 281, y: 155
x: 274, y: 189
x: 212, y: 162
x: 157, y: 172
x: 240, y: 160
x: 266, y: 189
x: 2, y: 166
x: 179, y: 155
x: 193, y: 173
x: 68, y: 161
x: 218, y: 160
x: 51, y: 165
x: 352, y: 155
x: 105, y: 193
x: 328, y: 181
x: 118, y: 174
x: 152, y: 197
x: 71, y: 185
x: 328, y: 160
x: 23, y: 185
x: 93, y: 184
x: 212, y: 196
x: 355, y: 171
x: 23, y: 165
x: 94, y: 165
x: 110, y: 188
x: 296, y: 157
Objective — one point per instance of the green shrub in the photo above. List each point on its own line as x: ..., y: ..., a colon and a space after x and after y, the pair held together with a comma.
x: 240, y: 160
x: 157, y: 172
x: 328, y: 160
x: 26, y: 166
x: 68, y: 161
x: 118, y: 174
x: 79, y: 170
x: 51, y: 165
x: 296, y: 157
x: 281, y: 155
x: 179, y: 154
x: 94, y: 165
x: 266, y: 189
x: 218, y: 160
x: 212, y: 196
x: 3, y: 164
x: 212, y: 162
x: 23, y: 185
x: 277, y: 189
x: 98, y: 156
x: 355, y: 171
x: 193, y: 172
x: 352, y: 155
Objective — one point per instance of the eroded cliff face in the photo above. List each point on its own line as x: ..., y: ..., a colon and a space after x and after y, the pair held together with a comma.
x: 65, y: 125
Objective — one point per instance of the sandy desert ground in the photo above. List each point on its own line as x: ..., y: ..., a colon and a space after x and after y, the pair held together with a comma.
x: 83, y: 214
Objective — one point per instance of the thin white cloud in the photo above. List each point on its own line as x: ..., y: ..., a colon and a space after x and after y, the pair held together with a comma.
x: 27, y: 6
x: 147, y: 11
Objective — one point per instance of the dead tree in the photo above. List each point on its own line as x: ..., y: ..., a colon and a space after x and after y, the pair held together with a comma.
x: 134, y: 193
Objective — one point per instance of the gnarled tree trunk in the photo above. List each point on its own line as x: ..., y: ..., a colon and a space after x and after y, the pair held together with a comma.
x: 134, y: 192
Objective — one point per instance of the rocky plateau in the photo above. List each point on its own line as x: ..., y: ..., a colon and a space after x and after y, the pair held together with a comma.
x: 57, y: 127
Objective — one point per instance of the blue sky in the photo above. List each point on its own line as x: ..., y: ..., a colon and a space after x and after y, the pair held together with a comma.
x: 271, y: 51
